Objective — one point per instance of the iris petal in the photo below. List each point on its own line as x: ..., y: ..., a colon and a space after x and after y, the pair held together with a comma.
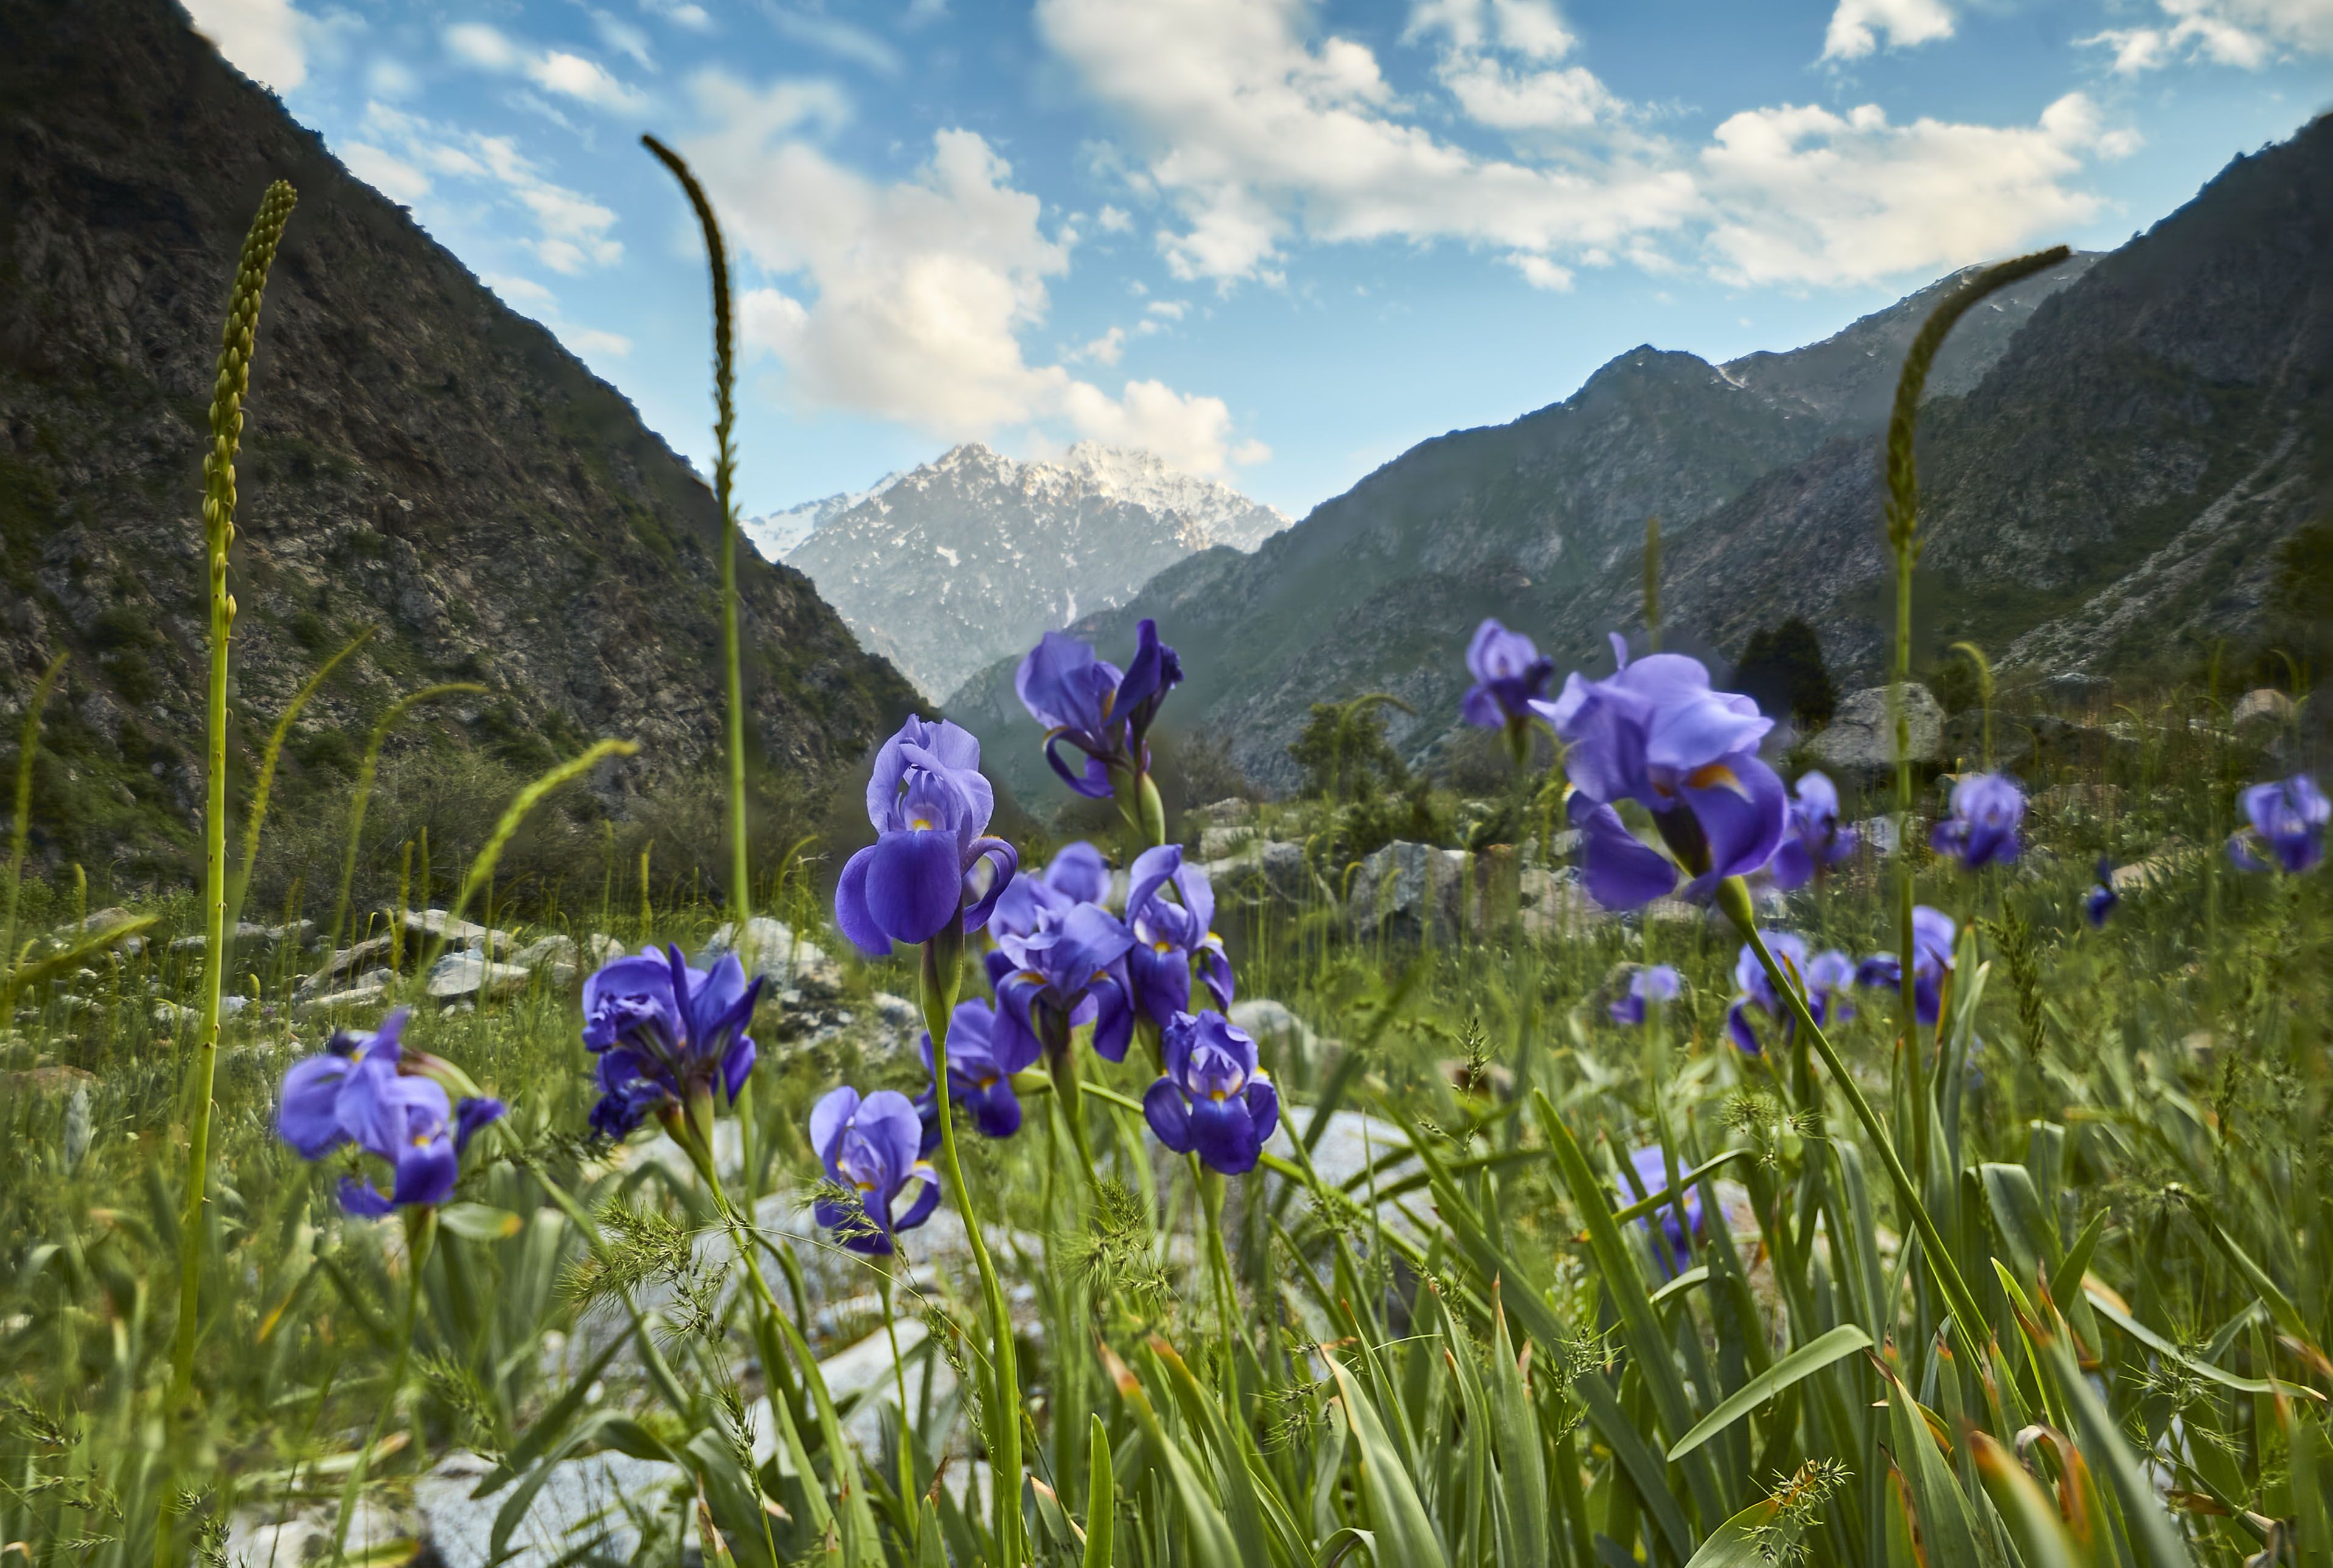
x: 915, y: 883
x: 1163, y: 1108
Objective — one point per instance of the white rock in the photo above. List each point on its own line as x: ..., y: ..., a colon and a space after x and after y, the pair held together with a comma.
x: 584, y: 1504
x: 546, y: 951
x: 458, y: 933
x: 1271, y: 1025
x: 1860, y: 744
x: 366, y: 994
x: 896, y: 1011
x: 473, y: 974
x: 2265, y: 708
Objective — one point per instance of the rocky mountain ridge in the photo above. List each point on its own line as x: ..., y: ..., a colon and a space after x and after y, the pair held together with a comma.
x: 1377, y: 588
x: 964, y: 559
x: 416, y: 457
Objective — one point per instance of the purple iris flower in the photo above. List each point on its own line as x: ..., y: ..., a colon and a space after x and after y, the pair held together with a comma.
x: 1078, y: 875
x: 1509, y: 674
x: 664, y: 1031
x: 1172, y: 935
x: 1652, y: 1174
x: 1655, y: 734
x: 1070, y: 971
x: 1827, y: 976
x: 978, y: 1078
x: 1815, y: 839
x: 355, y: 1094
x: 2101, y: 899
x: 1089, y: 702
x: 1932, y: 959
x: 1215, y: 1101
x: 2288, y: 820
x: 930, y: 807
x: 873, y: 1147
x: 1660, y: 983
x: 1981, y: 829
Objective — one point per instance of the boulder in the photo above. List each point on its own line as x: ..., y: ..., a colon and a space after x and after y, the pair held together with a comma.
x: 898, y: 1011
x: 367, y: 992
x: 1269, y: 874
x: 458, y: 933
x: 772, y: 947
x: 475, y: 976
x: 2262, y: 711
x: 1555, y: 904
x: 1278, y: 1032
x: 548, y: 950
x: 348, y: 961
x: 1229, y: 812
x: 583, y: 1510
x: 1411, y: 893
x: 1219, y: 843
x: 1859, y: 744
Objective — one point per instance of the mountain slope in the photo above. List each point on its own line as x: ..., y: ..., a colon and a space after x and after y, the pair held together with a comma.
x: 2109, y: 497
x: 1377, y: 589
x: 416, y: 457
x: 958, y: 562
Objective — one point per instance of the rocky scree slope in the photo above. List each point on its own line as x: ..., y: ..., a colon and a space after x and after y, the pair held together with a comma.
x: 2110, y: 497
x: 1378, y: 588
x: 959, y: 562
x: 415, y: 456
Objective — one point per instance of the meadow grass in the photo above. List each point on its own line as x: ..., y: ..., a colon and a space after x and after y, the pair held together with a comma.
x: 2129, y: 1171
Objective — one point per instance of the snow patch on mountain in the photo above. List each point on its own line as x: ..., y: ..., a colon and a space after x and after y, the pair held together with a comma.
x: 951, y: 564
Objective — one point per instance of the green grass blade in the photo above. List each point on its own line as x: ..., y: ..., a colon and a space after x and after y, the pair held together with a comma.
x: 1802, y: 1363
x: 1408, y: 1536
x: 1102, y: 1498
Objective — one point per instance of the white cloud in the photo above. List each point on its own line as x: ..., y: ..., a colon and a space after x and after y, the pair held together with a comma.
x: 515, y: 290
x: 1106, y: 349
x: 1804, y: 195
x: 1260, y: 135
x: 682, y: 13
x: 582, y: 79
x: 1856, y: 26
x: 570, y: 230
x: 266, y: 39
x: 623, y: 38
x: 1114, y: 220
x: 559, y: 70
x: 475, y: 44
x: 385, y: 172
x: 1541, y: 273
x: 909, y: 299
x: 2246, y: 33
x: 1173, y: 310
x: 1189, y: 432
x: 593, y: 341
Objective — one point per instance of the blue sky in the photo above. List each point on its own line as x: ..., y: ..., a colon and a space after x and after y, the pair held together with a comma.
x: 1274, y: 241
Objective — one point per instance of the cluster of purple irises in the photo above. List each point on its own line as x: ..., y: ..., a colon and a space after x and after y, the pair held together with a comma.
x: 1060, y: 958
x: 1656, y: 733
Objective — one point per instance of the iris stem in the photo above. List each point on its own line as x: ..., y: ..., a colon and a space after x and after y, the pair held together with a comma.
x: 1733, y: 898
x: 421, y: 1234
x: 908, y: 1516
x: 943, y: 973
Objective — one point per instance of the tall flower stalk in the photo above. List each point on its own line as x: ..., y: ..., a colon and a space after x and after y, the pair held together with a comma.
x: 1904, y: 542
x: 236, y: 340
x: 724, y: 472
x: 21, y: 831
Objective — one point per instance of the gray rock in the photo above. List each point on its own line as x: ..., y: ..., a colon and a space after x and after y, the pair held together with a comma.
x: 1227, y: 813
x: 1556, y: 904
x: 2263, y: 709
x: 896, y: 1011
x: 547, y: 951
x: 366, y: 993
x: 1411, y: 893
x: 585, y: 1502
x: 458, y: 933
x: 347, y: 961
x: 773, y: 948
x: 1276, y: 1029
x: 1859, y: 745
x: 1218, y: 843
x: 474, y: 975
x: 1879, y: 832
x: 1269, y: 874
